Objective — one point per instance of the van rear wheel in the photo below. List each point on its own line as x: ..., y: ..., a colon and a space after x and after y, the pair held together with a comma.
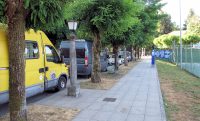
x: 62, y: 83
x: 88, y: 76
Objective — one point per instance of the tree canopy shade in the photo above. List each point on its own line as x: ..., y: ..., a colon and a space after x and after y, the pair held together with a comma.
x: 165, y: 25
x: 150, y: 18
x: 190, y: 15
x: 45, y: 14
x: 166, y: 40
x: 143, y: 33
x: 2, y: 13
x: 20, y: 15
x: 40, y: 14
x: 191, y: 38
x: 192, y: 34
x: 193, y: 25
x: 100, y: 17
x: 119, y: 33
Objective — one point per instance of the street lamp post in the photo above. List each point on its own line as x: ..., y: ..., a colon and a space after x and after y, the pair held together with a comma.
x: 74, y: 88
x: 181, y: 46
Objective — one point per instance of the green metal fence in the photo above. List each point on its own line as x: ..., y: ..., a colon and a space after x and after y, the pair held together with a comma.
x: 190, y: 58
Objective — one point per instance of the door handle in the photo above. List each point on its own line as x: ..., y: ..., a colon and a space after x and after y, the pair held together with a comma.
x: 42, y: 70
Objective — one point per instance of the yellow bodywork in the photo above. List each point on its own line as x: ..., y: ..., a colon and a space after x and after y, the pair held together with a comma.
x: 3, y: 62
x: 32, y: 74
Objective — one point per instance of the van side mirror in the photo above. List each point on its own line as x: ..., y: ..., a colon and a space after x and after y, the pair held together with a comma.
x: 59, y: 60
x: 62, y: 59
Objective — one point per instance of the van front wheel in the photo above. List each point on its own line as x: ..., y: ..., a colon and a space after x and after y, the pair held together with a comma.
x: 62, y: 83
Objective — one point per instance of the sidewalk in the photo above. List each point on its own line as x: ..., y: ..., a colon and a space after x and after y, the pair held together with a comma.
x: 136, y: 97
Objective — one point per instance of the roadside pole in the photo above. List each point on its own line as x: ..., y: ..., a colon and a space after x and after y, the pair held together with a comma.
x: 181, y: 56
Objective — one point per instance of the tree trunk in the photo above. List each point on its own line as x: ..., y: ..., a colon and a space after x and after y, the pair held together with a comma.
x: 16, y: 28
x: 115, y: 51
x: 130, y: 49
x: 138, y: 51
x: 95, y: 78
x: 132, y: 53
x: 125, y: 57
x: 135, y: 52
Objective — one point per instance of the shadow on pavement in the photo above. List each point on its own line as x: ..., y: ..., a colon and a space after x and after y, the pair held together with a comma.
x: 4, y: 107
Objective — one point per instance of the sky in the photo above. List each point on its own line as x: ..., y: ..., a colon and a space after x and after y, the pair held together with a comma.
x: 173, y: 9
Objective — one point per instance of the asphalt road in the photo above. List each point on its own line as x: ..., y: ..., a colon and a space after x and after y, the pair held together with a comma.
x: 4, y: 107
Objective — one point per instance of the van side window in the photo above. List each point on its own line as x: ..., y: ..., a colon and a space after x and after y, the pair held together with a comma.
x: 65, y: 52
x: 51, y: 54
x: 31, y: 50
x: 80, y: 53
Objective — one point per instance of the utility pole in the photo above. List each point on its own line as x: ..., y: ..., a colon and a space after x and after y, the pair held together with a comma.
x: 180, y: 36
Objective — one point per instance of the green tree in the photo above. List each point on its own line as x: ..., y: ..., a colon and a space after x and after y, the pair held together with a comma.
x: 190, y: 15
x: 165, y: 41
x: 191, y: 38
x: 20, y: 15
x: 193, y: 23
x: 97, y: 16
x: 165, y: 25
x: 119, y: 34
x: 185, y: 25
x: 146, y: 30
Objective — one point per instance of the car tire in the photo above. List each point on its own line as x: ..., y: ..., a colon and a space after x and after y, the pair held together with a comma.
x: 104, y: 70
x: 62, y: 83
x: 88, y: 76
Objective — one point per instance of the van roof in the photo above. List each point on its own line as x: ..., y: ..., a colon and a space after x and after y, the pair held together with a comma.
x: 37, y: 36
x: 29, y: 35
x: 80, y: 43
x: 78, y: 40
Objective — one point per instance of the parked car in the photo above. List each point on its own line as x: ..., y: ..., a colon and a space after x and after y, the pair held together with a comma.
x: 44, y: 69
x: 128, y: 55
x: 111, y: 59
x: 120, y: 59
x: 83, y: 54
x: 103, y: 61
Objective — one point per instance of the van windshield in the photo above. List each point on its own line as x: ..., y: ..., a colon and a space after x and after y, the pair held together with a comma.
x: 80, y: 53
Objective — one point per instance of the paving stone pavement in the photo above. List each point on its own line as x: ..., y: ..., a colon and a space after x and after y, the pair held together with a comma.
x: 137, y: 97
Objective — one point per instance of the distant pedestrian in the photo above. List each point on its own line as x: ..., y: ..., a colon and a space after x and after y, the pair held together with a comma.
x: 153, y: 57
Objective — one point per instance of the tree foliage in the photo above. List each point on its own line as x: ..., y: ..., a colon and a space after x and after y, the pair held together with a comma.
x: 102, y: 18
x: 40, y: 14
x: 166, y: 40
x: 2, y: 11
x: 95, y: 15
x: 144, y: 32
x: 18, y: 14
x: 191, y: 38
x: 120, y: 33
x: 45, y: 14
x: 165, y: 25
x: 193, y: 23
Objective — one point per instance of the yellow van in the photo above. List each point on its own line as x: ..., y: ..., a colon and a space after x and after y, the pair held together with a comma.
x: 44, y: 69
